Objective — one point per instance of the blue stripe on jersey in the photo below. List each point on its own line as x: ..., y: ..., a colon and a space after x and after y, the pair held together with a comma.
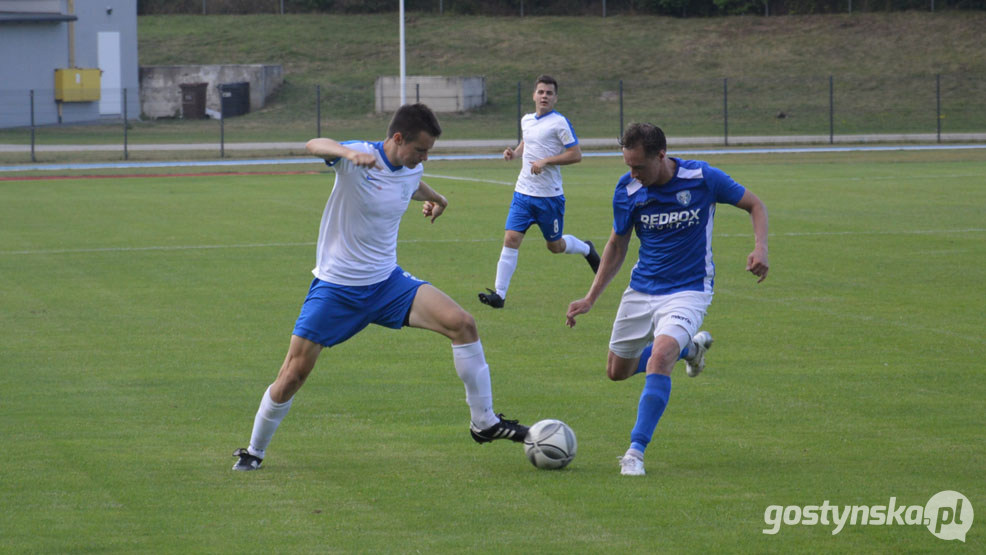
x: 377, y: 145
x: 333, y: 161
x: 572, y: 129
x: 674, y: 224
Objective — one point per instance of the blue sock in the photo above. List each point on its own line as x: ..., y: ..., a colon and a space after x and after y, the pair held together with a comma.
x: 645, y: 356
x: 653, y: 400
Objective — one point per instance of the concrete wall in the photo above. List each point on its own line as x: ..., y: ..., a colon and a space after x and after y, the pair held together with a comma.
x: 31, y: 51
x: 160, y: 94
x: 441, y: 94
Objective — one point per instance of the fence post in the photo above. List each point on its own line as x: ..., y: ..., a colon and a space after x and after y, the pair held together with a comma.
x: 621, y: 108
x: 318, y: 110
x: 126, y: 155
x: 520, y: 133
x: 33, y: 159
x: 831, y: 110
x: 725, y: 111
x: 417, y: 93
x: 938, y: 103
x: 222, y: 131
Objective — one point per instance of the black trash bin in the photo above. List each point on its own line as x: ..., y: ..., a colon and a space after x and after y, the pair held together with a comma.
x: 235, y: 98
x: 193, y: 100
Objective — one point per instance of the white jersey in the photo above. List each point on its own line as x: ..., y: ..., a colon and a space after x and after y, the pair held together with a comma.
x: 544, y: 136
x: 357, y: 239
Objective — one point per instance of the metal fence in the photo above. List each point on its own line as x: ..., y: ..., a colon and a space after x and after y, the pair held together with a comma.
x: 728, y: 111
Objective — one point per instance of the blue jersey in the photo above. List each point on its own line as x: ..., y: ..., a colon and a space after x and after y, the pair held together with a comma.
x: 674, y: 224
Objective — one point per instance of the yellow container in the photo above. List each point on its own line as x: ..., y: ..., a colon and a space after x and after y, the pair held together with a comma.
x: 77, y: 85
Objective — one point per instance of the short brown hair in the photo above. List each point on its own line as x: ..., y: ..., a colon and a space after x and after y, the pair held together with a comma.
x: 412, y: 119
x: 646, y: 134
x: 547, y: 80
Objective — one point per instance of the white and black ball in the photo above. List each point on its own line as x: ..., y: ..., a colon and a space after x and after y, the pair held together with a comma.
x: 550, y: 444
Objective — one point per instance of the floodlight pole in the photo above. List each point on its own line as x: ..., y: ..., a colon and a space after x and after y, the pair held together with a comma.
x: 403, y: 71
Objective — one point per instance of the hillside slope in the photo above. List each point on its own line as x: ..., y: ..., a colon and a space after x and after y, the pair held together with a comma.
x: 884, y: 66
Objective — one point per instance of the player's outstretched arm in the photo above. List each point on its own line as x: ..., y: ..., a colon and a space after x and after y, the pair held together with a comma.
x: 435, y: 203
x: 756, y: 262
x: 328, y: 149
x: 610, y: 263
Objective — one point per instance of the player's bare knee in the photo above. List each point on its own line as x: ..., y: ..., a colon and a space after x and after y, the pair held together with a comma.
x: 462, y: 327
x: 293, y: 374
x: 556, y: 247
x: 618, y: 370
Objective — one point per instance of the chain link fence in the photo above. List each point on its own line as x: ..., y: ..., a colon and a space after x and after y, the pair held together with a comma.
x: 735, y: 110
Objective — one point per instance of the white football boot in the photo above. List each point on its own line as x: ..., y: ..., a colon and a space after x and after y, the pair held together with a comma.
x: 695, y: 363
x: 631, y: 466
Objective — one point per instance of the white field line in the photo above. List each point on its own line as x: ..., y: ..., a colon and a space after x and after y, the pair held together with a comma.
x: 840, y: 233
x: 457, y: 178
x: 156, y: 248
x: 851, y: 315
x: 459, y: 240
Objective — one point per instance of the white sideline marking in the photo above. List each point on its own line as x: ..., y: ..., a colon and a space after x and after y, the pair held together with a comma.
x: 457, y: 178
x: 819, y: 309
x: 157, y: 248
x: 481, y: 240
x: 825, y: 233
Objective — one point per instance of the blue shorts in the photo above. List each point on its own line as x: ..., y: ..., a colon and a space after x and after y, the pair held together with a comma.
x: 334, y: 313
x: 547, y: 212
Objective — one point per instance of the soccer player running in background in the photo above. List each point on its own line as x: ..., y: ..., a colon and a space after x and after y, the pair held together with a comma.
x: 670, y: 203
x: 549, y: 141
x: 358, y: 282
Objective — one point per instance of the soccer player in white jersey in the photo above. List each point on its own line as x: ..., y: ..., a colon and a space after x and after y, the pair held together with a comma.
x: 549, y: 141
x: 670, y: 203
x: 358, y: 282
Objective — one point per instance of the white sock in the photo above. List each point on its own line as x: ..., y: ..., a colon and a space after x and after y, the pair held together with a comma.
x: 470, y: 364
x: 574, y: 245
x: 692, y: 349
x: 505, y: 270
x: 269, y: 416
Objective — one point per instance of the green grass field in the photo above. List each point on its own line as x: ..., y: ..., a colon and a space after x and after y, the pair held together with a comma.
x: 142, y: 319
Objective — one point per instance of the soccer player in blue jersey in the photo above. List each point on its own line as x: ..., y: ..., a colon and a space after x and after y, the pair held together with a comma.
x: 549, y: 141
x: 670, y: 203
x: 358, y: 282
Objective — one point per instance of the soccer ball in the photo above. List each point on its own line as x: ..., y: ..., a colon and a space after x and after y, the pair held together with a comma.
x: 550, y: 444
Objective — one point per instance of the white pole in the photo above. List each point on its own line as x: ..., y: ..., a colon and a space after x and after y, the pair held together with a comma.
x: 403, y: 71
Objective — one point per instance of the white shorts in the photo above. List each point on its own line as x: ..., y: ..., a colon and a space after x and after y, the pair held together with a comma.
x: 642, y: 317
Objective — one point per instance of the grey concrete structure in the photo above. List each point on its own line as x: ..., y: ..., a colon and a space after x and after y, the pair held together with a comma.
x: 160, y: 91
x: 441, y: 94
x: 39, y: 36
